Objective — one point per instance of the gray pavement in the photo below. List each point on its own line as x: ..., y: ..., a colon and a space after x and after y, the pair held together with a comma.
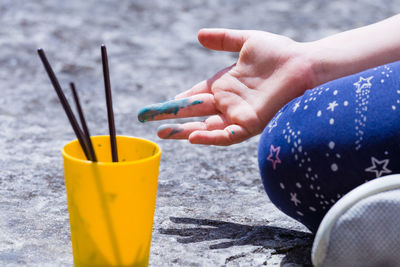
x: 211, y: 206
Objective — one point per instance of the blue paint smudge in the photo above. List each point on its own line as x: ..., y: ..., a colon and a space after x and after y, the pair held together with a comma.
x: 169, y: 107
x: 175, y: 128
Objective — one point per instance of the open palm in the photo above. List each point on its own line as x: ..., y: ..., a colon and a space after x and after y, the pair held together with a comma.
x: 241, y: 99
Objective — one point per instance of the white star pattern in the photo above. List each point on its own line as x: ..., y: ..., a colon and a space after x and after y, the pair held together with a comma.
x: 386, y: 74
x: 332, y: 106
x: 379, y: 167
x: 363, y: 83
x: 397, y: 100
x: 301, y: 157
x: 362, y: 99
x: 293, y: 198
x: 296, y: 106
x: 272, y: 124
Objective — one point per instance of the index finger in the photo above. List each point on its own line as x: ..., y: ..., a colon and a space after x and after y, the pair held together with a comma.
x: 204, y: 86
x: 194, y: 106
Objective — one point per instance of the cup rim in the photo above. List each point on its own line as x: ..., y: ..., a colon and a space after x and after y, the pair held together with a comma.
x: 82, y: 161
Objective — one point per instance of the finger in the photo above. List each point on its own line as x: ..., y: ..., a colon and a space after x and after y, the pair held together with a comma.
x: 232, y: 134
x: 195, y: 106
x: 223, y: 39
x: 204, y: 86
x: 179, y: 131
x: 182, y: 131
x: 200, y: 88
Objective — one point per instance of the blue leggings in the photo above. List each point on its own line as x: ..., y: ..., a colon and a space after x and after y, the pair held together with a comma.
x: 328, y: 141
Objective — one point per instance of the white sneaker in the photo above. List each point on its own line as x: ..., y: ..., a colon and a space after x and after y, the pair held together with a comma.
x: 362, y: 228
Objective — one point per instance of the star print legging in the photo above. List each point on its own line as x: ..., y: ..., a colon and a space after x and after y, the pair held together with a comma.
x: 328, y: 141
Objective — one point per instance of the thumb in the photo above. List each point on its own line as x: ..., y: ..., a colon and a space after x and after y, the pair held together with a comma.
x: 223, y: 39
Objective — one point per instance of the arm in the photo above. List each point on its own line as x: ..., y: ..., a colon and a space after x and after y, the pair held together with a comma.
x: 271, y: 71
x: 352, y: 51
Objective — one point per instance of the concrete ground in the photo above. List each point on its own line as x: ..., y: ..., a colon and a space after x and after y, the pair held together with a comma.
x: 211, y: 206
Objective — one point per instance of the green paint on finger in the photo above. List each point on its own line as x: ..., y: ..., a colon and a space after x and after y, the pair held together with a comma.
x: 170, y: 107
x: 175, y: 128
x: 233, y: 132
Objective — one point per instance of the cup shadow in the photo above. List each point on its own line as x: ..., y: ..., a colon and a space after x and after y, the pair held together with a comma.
x: 295, y: 245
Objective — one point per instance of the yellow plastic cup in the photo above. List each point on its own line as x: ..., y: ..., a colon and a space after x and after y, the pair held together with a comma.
x: 111, y: 204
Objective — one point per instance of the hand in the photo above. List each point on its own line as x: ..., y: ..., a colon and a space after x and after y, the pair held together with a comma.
x: 243, y: 98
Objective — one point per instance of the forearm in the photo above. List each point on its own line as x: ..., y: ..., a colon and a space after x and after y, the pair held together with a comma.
x: 355, y: 50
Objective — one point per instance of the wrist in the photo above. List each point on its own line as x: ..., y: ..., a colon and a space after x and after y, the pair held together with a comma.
x: 307, y: 65
x: 352, y: 51
x: 324, y: 66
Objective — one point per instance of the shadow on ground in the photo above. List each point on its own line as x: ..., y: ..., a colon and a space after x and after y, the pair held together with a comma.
x: 295, y: 245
